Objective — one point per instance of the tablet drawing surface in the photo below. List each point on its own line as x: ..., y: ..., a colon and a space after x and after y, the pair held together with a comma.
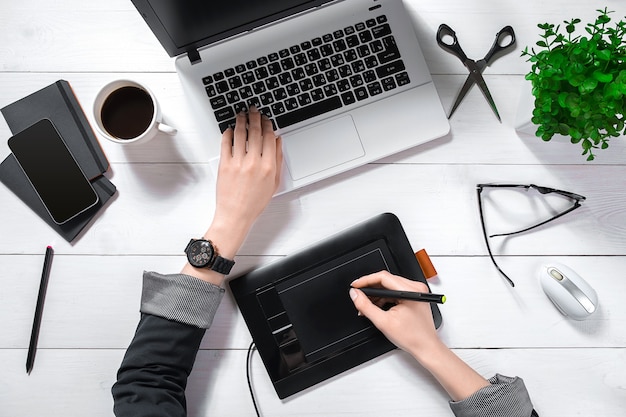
x: 318, y: 304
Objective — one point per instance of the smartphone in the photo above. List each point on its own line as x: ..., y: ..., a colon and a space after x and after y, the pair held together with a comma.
x: 52, y: 170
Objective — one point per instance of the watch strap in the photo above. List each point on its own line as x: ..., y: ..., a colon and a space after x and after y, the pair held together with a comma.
x: 222, y: 265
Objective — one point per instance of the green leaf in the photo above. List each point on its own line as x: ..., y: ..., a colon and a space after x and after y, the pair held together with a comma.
x: 542, y: 44
x: 602, y: 77
x: 577, y: 80
x: 603, y: 54
x: 588, y: 85
x: 575, y: 135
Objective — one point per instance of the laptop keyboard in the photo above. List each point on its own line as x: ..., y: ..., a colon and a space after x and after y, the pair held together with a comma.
x: 311, y: 78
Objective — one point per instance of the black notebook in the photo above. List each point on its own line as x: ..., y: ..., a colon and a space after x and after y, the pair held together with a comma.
x: 58, y: 103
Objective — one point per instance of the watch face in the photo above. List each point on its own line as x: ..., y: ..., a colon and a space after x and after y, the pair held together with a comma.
x: 200, y: 253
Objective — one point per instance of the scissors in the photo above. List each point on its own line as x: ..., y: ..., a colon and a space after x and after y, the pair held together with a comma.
x: 476, y: 67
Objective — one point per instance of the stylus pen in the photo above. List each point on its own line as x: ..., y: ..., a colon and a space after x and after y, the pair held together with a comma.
x: 404, y: 295
x: 43, y: 285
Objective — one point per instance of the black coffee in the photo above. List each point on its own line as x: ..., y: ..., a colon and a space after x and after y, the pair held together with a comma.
x: 127, y: 112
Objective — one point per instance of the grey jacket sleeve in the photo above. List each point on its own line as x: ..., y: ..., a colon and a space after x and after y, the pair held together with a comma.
x: 505, y: 397
x: 180, y: 298
x: 176, y: 309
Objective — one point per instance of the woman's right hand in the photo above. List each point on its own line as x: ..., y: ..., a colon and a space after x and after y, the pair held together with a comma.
x: 408, y: 324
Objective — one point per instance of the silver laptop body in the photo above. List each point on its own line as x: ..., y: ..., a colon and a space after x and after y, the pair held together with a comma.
x: 376, y: 125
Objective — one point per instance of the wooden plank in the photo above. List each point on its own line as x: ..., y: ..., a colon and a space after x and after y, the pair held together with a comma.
x: 159, y: 206
x: 93, y: 302
x: 393, y: 384
x: 475, y: 135
x: 90, y: 38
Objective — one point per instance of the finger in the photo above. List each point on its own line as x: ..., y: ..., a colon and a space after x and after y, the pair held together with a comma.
x: 227, y: 144
x: 365, y: 306
x: 239, y: 142
x: 387, y: 280
x: 255, y: 131
x: 269, y: 138
x: 279, y: 159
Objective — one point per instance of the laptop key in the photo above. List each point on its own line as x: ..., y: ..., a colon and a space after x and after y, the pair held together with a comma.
x: 403, y: 78
x: 360, y: 93
x: 348, y: 98
x: 317, y: 94
x: 278, y: 108
x: 374, y: 88
x: 226, y: 124
x: 308, y: 112
x: 274, y: 68
x: 291, y: 104
x: 280, y: 94
x: 314, y: 54
x: 218, y: 102
x: 380, y: 31
x: 222, y: 87
x: 389, y: 55
x: 210, y: 90
x: 245, y: 92
x: 240, y: 107
x: 224, y: 114
x: 285, y: 78
x: 388, y: 83
x: 390, y: 68
x: 304, y: 99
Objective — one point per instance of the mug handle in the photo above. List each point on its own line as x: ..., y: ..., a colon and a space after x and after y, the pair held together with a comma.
x: 166, y: 129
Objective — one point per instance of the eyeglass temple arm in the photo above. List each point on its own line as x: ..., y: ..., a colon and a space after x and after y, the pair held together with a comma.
x: 482, y: 223
x: 574, y: 207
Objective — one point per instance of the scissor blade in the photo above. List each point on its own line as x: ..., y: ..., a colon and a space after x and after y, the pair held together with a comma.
x: 469, y: 82
x: 475, y: 73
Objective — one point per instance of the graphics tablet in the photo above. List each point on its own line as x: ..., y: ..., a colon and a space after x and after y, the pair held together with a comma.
x: 299, y: 312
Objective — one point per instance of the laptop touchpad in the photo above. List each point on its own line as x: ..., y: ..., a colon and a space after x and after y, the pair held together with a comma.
x: 321, y: 147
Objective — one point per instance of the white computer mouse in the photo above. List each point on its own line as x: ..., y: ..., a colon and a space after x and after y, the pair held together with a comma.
x: 569, y: 292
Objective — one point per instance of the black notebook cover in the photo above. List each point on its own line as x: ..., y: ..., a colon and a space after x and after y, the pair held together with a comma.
x: 58, y: 103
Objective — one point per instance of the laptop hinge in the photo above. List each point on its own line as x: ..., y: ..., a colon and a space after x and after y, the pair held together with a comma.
x: 194, y: 56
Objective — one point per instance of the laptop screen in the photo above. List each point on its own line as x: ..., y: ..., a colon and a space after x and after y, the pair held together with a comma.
x: 183, y: 26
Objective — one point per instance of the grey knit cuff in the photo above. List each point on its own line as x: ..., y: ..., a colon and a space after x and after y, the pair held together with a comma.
x: 180, y: 298
x: 505, y: 397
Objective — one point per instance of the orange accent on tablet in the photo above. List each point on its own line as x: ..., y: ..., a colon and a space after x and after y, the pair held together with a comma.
x: 426, y: 264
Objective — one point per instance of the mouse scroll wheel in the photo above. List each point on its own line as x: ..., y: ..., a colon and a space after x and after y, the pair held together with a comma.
x: 555, y: 274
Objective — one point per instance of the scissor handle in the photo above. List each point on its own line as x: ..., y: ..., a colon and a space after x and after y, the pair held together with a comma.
x: 506, y: 33
x: 454, y: 47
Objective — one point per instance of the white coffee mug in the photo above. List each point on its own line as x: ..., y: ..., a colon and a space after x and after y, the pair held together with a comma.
x: 127, y: 112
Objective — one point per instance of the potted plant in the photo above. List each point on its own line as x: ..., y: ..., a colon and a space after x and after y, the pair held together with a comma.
x: 579, y: 82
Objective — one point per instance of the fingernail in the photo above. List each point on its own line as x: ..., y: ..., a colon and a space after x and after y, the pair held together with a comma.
x: 353, y: 294
x: 253, y: 108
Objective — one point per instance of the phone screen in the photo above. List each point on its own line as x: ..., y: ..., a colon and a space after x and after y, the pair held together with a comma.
x: 53, y: 171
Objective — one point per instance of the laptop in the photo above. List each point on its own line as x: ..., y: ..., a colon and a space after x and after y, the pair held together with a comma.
x: 343, y: 81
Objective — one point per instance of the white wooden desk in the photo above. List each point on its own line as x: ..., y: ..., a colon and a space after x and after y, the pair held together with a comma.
x: 166, y: 195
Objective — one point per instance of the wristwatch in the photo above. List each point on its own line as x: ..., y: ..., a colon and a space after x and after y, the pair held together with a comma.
x: 202, y: 253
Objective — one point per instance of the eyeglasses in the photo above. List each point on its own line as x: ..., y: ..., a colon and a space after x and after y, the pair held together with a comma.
x: 577, y: 199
